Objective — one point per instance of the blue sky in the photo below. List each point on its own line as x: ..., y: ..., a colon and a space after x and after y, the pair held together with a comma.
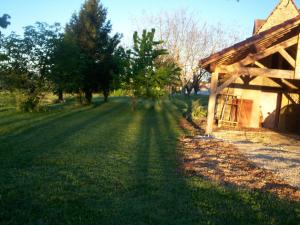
x: 123, y: 13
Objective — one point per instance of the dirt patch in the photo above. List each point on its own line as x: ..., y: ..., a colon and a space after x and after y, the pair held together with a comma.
x: 222, y: 162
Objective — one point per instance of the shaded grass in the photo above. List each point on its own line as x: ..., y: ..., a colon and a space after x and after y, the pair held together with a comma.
x: 105, y: 164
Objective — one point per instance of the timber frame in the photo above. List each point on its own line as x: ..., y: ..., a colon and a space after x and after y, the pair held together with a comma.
x: 244, y: 61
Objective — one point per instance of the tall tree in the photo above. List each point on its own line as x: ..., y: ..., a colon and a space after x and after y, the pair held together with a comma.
x: 90, y: 30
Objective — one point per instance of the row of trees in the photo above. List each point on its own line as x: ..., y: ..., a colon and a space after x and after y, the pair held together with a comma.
x: 86, y: 57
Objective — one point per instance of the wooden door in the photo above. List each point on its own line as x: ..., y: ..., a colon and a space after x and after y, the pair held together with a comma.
x: 245, y: 112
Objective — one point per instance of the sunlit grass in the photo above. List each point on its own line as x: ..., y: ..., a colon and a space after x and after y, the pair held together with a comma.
x: 104, y: 164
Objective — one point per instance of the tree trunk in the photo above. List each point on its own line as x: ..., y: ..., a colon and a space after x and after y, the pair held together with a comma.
x: 60, y: 95
x: 79, y: 98
x: 88, y: 95
x: 133, y: 103
x: 105, y: 94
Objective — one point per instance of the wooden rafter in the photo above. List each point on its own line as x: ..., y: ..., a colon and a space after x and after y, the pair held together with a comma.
x: 260, y: 65
x: 263, y: 88
x: 252, y: 58
x: 287, y: 95
x: 263, y: 72
x: 287, y: 57
x: 289, y: 84
x: 285, y: 85
x: 226, y: 83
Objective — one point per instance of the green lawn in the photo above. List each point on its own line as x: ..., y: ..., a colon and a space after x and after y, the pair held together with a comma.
x: 105, y: 164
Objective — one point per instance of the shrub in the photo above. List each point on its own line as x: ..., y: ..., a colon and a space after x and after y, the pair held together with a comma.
x: 198, y: 111
x: 27, y: 102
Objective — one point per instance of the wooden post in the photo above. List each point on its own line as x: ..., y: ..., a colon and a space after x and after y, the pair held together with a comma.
x: 212, y: 102
x: 278, y: 109
x: 297, y: 67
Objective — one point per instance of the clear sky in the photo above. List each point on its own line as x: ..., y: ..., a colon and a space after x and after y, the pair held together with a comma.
x: 123, y: 13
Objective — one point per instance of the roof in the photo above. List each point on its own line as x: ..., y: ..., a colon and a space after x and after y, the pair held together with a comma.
x: 254, y: 44
x: 257, y: 25
x: 292, y: 12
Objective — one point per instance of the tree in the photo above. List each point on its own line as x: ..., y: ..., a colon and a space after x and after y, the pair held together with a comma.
x: 67, y: 63
x: 109, y: 67
x: 4, y: 21
x: 189, y: 40
x: 90, y: 31
x: 148, y: 73
x: 26, y: 63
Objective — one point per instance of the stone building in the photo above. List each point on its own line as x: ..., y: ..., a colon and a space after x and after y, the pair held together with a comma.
x: 256, y: 82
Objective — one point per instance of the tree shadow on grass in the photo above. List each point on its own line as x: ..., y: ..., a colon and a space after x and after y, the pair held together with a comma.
x: 113, y: 180
x: 250, y: 207
x: 49, y: 185
x: 43, y: 136
x: 162, y: 194
x: 20, y: 120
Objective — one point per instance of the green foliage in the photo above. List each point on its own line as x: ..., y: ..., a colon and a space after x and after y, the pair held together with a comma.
x: 4, y: 20
x: 149, y: 70
x: 194, y: 108
x: 25, y: 63
x: 198, y: 111
x: 88, y: 36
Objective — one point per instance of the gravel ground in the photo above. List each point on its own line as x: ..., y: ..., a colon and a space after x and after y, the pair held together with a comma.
x: 273, y: 151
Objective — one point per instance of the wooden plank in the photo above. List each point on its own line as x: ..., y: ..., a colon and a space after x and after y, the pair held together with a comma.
x: 287, y: 95
x: 287, y: 57
x: 262, y: 88
x: 212, y: 103
x: 252, y: 71
x: 229, y: 81
x: 289, y: 84
x: 297, y: 68
x: 260, y: 65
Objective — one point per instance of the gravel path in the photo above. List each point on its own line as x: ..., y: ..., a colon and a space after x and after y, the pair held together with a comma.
x: 277, y: 152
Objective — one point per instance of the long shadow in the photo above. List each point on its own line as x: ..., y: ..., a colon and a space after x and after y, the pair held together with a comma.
x: 216, y: 211
x: 45, y: 136
x: 51, y: 186
x: 158, y: 192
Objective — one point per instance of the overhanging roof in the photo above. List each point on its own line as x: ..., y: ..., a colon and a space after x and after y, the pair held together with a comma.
x: 254, y: 44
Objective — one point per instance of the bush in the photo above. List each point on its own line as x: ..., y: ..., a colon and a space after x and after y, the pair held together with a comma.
x: 27, y: 102
x: 198, y: 111
x: 120, y: 93
x: 7, y: 100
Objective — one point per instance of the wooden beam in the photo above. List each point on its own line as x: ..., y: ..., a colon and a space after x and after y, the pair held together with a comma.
x: 267, y: 52
x: 289, y: 84
x: 263, y: 88
x: 260, y: 65
x: 229, y: 81
x: 263, y: 72
x: 278, y: 109
x: 212, y: 102
x: 287, y: 57
x: 285, y: 85
x: 290, y: 98
x: 297, y: 67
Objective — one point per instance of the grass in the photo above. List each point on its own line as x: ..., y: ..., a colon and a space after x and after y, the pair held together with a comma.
x: 105, y: 164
